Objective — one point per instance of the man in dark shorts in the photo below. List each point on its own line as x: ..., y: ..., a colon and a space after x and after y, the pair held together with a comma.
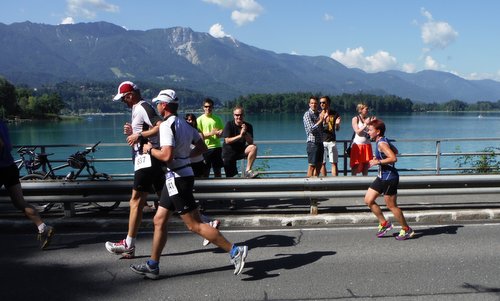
x: 148, y: 174
x: 238, y: 144
x: 176, y: 138
x: 9, y: 177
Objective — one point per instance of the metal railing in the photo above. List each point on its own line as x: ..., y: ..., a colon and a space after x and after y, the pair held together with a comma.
x: 264, y: 157
x: 309, y: 189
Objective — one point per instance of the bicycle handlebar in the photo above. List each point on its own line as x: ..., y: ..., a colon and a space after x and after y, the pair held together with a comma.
x: 90, y: 149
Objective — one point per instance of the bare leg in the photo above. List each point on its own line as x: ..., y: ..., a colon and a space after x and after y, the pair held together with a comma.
x: 137, y: 202
x: 251, y: 154
x: 354, y: 169
x: 364, y: 168
x: 370, y: 197
x: 335, y: 171
x: 194, y: 224
x: 16, y: 195
x: 323, y: 169
x: 310, y: 170
x: 160, y: 233
x: 391, y: 202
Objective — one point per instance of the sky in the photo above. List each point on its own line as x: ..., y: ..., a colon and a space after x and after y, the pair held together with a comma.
x: 457, y: 36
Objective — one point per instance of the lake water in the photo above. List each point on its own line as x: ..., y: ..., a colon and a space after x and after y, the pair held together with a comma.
x: 272, y: 127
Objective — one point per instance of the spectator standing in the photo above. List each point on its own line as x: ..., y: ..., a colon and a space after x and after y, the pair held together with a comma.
x: 313, y: 125
x: 331, y: 124
x: 176, y: 137
x: 148, y: 173
x: 9, y: 177
x: 361, y: 149
x: 238, y: 144
x: 198, y: 166
x: 386, y: 182
x: 210, y: 125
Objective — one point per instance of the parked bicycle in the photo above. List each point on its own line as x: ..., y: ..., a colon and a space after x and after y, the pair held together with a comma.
x: 42, y: 169
x: 28, y: 160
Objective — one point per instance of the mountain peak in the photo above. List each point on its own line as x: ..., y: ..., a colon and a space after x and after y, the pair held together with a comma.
x: 225, y: 68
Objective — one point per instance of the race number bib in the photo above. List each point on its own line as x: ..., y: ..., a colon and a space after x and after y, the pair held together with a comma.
x: 170, y: 184
x: 142, y: 161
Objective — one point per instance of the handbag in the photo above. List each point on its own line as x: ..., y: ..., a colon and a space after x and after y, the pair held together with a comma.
x: 347, y: 150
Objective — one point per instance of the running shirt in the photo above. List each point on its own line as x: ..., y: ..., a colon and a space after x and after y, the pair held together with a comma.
x: 385, y: 171
x: 144, y: 117
x: 178, y: 133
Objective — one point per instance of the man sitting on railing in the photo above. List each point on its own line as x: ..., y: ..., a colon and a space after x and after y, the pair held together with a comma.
x: 238, y: 144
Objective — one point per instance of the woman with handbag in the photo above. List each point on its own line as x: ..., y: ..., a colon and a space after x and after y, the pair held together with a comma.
x: 361, y: 148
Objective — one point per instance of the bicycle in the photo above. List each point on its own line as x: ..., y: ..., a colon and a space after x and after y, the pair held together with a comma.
x: 77, y: 161
x: 28, y: 160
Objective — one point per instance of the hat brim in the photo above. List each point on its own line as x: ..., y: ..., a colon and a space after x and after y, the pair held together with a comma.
x: 118, y: 96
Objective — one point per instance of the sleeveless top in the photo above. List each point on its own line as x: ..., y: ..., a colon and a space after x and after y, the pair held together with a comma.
x: 363, y: 138
x: 385, y: 171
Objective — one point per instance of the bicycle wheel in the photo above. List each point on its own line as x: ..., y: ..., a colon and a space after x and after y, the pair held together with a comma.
x: 43, y: 207
x: 104, y: 206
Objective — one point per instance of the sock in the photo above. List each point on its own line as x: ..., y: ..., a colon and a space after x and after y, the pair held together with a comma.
x: 41, y: 227
x: 152, y: 263
x: 130, y: 241
x: 384, y: 223
x: 234, y: 251
x: 406, y: 228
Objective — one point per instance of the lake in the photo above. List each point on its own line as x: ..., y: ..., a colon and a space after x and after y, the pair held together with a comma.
x: 416, y: 127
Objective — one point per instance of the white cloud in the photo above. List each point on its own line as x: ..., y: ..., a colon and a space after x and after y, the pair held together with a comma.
x: 244, y: 11
x: 479, y: 76
x: 89, y: 8
x: 327, y: 17
x: 409, y: 68
x: 431, y: 63
x: 217, y: 31
x: 68, y: 20
x: 437, y: 34
x: 354, y: 58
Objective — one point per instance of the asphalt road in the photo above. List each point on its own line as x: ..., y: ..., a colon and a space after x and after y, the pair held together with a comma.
x: 443, y: 262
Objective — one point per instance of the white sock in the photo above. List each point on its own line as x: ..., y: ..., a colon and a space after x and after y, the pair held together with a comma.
x: 130, y: 241
x: 41, y: 227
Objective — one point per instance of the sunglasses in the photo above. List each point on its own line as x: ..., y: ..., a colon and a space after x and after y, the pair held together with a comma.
x: 207, y: 106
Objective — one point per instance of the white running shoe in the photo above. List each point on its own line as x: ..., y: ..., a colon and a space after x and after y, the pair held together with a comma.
x: 214, y: 224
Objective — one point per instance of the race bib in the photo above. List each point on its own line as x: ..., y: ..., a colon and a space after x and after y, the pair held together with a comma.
x: 142, y: 161
x: 170, y: 184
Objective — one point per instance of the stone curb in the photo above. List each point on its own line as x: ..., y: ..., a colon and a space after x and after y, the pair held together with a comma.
x: 19, y: 224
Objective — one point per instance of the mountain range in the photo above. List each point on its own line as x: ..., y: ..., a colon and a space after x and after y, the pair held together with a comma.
x: 178, y: 57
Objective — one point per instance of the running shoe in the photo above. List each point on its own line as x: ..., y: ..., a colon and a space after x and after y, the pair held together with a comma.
x: 145, y: 270
x: 250, y: 174
x: 214, y: 224
x: 404, y: 235
x: 239, y: 259
x: 120, y: 248
x: 45, y: 236
x: 383, y: 230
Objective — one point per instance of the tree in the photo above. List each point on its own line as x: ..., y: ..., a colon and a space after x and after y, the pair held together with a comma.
x: 8, y: 99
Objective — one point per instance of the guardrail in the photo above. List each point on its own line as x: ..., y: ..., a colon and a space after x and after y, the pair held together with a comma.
x: 310, y: 189
x: 434, y: 151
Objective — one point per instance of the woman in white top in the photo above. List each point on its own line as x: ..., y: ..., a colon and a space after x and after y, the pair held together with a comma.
x: 361, y: 151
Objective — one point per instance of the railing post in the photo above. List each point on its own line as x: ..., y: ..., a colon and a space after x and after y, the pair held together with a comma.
x: 345, y: 158
x: 438, y: 157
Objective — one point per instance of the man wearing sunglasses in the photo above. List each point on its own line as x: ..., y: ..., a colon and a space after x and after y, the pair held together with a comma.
x: 148, y: 174
x: 210, y: 125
